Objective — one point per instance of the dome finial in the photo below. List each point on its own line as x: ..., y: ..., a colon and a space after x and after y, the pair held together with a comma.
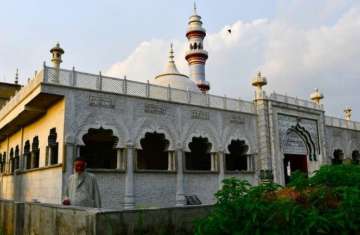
x: 17, y: 76
x: 195, y: 13
x: 171, y: 54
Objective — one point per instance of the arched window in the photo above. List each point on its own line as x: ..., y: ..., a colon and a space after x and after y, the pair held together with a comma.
x: 3, y: 165
x: 355, y: 157
x: 199, y: 157
x: 236, y: 159
x: 11, y: 161
x: 35, y: 153
x: 154, y: 154
x: 195, y: 46
x: 200, y: 45
x: 99, y: 149
x: 27, y: 155
x: 17, y: 157
x: 52, y: 150
x: 338, y: 157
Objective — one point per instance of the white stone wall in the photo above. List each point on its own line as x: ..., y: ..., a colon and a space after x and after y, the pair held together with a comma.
x: 155, y: 189
x: 202, y: 185
x: 339, y: 138
x: 111, y: 186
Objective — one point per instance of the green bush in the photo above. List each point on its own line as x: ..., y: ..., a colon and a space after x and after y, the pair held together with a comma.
x: 326, y: 203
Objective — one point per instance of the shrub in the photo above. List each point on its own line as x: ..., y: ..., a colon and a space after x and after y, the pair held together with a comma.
x: 326, y: 203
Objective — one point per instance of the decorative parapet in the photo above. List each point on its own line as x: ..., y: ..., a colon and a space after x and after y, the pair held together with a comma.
x: 77, y: 79
x: 296, y: 101
x: 342, y: 123
x: 72, y: 78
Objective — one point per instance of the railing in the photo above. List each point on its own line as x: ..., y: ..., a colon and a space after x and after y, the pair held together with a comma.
x: 295, y: 101
x: 74, y: 78
x: 342, y: 123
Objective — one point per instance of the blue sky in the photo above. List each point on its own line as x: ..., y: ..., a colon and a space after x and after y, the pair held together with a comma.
x: 298, y: 44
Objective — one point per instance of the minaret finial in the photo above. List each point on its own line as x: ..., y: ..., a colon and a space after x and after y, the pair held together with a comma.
x: 17, y: 76
x: 171, y: 53
x: 195, y: 13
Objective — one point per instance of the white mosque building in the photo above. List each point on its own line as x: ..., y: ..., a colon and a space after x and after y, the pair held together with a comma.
x: 168, y: 142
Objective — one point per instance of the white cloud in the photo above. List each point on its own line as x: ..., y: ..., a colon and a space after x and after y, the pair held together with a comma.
x: 295, y: 59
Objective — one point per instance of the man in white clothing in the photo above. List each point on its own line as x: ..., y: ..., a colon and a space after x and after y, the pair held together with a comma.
x: 82, y: 188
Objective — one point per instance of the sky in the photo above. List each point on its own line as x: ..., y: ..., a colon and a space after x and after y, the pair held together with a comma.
x: 299, y: 45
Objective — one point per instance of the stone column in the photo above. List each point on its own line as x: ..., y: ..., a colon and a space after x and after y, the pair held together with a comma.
x: 119, y: 165
x: 180, y: 196
x: 264, y: 160
x: 129, y: 200
x: 221, y: 168
x: 69, y: 156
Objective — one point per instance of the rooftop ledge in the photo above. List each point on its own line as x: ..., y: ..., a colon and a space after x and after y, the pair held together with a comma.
x: 98, y: 82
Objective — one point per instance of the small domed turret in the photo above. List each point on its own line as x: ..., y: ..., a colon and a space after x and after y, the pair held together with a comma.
x: 57, y: 52
x: 316, y: 96
x: 258, y: 82
x: 347, y: 113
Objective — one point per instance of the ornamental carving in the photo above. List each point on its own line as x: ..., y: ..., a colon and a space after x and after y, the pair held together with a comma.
x: 155, y: 109
x: 200, y: 115
x: 100, y: 101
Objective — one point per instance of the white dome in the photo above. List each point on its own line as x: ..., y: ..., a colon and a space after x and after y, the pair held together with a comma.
x: 171, y: 77
x: 178, y: 81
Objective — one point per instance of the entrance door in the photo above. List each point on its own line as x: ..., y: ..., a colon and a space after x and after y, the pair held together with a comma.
x: 293, y: 163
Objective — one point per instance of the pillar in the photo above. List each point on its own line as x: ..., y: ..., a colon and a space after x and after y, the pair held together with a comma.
x: 119, y: 160
x: 180, y: 196
x: 129, y: 200
x: 67, y: 160
x: 221, y: 168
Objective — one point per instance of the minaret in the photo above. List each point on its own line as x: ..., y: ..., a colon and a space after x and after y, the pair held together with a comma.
x: 196, y: 56
x: 56, y: 52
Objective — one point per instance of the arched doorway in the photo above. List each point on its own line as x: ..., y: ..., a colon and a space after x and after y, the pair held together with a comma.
x: 295, y: 152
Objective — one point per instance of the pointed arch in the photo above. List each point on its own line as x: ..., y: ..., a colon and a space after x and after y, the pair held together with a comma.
x: 305, y: 137
x: 201, y: 130
x: 147, y: 125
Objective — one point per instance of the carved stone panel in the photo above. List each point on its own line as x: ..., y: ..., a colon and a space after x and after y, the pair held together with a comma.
x: 293, y: 144
x: 285, y: 123
x: 101, y: 101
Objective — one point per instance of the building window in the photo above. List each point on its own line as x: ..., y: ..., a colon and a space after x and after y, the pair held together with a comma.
x: 154, y: 154
x: 52, y: 150
x: 17, y: 157
x: 236, y: 159
x: 2, y: 162
x: 35, y: 153
x: 338, y: 157
x: 99, y: 149
x: 199, y: 157
x: 11, y: 161
x: 355, y: 157
x: 27, y: 155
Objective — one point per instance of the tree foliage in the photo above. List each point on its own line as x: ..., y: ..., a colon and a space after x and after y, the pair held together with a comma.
x: 326, y: 203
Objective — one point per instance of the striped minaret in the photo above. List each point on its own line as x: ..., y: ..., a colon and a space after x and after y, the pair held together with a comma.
x: 196, y: 56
